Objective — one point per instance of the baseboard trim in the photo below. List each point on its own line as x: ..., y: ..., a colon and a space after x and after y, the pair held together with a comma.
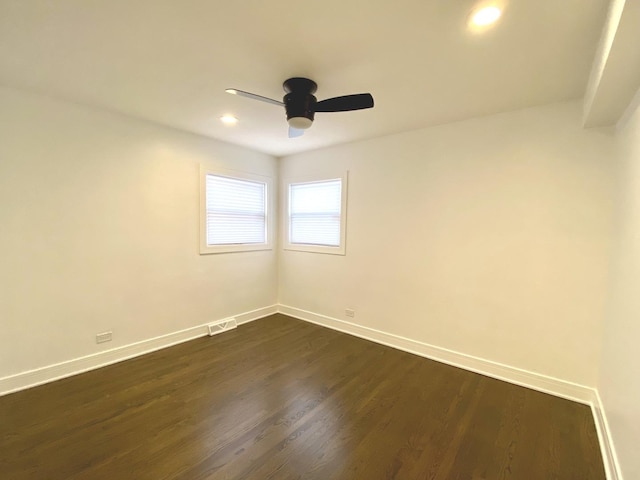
x: 524, y: 378
x: 50, y: 373
x: 609, y: 457
x: 517, y: 376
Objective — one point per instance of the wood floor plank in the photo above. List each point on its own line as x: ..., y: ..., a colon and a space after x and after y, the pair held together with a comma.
x: 283, y: 399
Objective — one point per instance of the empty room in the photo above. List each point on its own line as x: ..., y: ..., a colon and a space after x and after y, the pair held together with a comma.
x: 337, y: 240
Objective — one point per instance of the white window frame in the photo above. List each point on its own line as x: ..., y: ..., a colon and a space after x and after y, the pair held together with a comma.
x: 246, y: 247
x: 304, y: 247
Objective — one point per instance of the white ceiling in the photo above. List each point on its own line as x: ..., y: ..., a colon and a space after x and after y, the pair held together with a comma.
x: 169, y: 61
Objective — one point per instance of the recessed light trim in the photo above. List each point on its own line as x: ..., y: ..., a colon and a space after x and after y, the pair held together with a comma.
x: 486, y: 16
x: 229, y: 119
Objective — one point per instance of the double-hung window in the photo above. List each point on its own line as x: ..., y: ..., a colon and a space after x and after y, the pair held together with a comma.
x: 316, y: 215
x: 234, y: 212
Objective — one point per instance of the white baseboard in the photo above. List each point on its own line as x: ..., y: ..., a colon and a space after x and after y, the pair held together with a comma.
x: 609, y: 457
x: 50, y: 373
x: 535, y: 381
x: 517, y: 376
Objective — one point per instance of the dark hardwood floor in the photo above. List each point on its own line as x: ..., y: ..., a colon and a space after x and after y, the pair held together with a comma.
x: 283, y: 399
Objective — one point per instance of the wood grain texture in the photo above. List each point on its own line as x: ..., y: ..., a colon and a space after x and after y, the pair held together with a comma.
x: 283, y: 399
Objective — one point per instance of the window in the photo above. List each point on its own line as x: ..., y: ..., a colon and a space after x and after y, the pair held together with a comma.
x: 316, y: 212
x: 233, y: 213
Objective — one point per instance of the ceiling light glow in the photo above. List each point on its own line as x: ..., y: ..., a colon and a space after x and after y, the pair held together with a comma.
x: 232, y: 91
x: 486, y: 16
x: 229, y: 120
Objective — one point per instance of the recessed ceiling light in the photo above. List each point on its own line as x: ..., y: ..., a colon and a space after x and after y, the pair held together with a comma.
x: 233, y: 91
x: 229, y: 119
x: 486, y: 16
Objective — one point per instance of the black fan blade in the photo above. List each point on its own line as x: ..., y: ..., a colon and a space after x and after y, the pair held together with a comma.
x: 345, y: 103
x: 235, y: 91
x: 295, y: 132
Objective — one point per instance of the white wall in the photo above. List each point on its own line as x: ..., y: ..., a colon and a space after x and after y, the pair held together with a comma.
x: 488, y: 237
x: 619, y: 384
x: 99, y: 231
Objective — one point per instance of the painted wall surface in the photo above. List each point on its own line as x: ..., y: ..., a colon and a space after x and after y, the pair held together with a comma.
x: 99, y: 231
x: 488, y: 237
x: 619, y: 384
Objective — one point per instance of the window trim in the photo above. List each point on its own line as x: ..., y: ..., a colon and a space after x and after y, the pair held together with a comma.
x: 237, y: 175
x: 305, y: 247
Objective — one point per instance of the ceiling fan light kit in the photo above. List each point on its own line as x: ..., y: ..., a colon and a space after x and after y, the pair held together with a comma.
x: 301, y: 105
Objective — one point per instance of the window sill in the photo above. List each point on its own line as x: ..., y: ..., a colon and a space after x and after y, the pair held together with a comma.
x: 217, y: 249
x: 315, y: 249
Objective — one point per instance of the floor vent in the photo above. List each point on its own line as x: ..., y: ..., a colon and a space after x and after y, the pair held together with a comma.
x: 222, y: 326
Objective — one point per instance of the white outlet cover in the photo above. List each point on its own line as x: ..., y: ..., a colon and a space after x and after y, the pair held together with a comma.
x: 104, y: 337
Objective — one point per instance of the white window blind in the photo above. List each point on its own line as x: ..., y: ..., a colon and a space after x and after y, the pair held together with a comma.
x: 235, y: 211
x: 314, y: 213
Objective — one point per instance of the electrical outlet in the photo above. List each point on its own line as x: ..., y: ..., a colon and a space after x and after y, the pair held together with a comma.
x: 104, y: 337
x: 350, y: 313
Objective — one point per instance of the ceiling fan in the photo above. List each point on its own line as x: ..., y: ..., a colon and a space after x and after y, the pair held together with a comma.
x: 301, y: 105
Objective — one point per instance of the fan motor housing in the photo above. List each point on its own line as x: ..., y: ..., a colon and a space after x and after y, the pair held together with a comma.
x: 299, y: 100
x: 300, y: 105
